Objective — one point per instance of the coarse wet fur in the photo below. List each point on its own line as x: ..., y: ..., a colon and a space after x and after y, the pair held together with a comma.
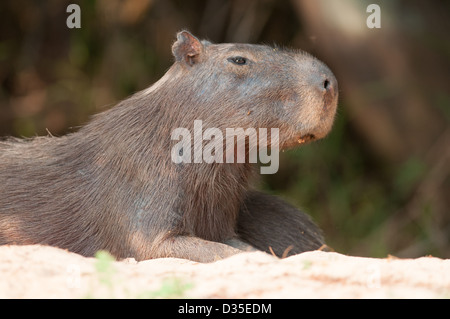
x: 113, y: 186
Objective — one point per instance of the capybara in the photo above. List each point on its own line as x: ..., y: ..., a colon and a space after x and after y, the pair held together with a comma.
x: 113, y: 184
x: 274, y: 226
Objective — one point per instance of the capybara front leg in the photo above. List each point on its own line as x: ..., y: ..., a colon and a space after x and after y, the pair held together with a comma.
x: 192, y: 248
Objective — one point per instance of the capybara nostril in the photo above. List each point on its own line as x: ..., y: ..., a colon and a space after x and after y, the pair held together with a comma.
x: 323, y: 80
x: 330, y: 85
x: 328, y: 88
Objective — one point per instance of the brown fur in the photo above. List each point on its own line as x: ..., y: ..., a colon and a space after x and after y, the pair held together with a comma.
x: 112, y: 185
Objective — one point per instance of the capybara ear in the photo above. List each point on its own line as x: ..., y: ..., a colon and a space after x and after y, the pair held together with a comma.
x: 187, y: 48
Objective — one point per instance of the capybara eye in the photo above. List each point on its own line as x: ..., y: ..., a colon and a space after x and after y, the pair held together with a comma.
x: 238, y: 60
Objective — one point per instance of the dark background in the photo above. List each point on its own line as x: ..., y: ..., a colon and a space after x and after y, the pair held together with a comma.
x: 378, y: 184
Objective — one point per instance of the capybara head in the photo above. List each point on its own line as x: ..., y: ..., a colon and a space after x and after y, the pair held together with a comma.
x: 246, y: 85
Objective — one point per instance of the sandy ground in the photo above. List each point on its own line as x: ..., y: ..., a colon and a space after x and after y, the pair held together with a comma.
x: 47, y: 272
